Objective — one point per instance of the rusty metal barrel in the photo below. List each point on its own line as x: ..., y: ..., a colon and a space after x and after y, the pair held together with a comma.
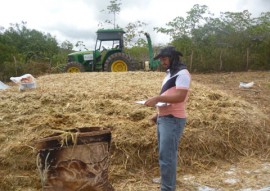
x: 75, y: 160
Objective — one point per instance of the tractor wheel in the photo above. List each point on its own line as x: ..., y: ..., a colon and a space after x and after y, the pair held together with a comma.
x: 118, y: 62
x: 73, y: 67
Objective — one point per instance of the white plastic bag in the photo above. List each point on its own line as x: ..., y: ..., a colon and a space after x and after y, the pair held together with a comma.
x: 3, y: 86
x: 246, y: 85
x: 26, y: 81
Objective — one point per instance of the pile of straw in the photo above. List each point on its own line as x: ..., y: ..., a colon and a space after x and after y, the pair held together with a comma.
x: 219, y: 128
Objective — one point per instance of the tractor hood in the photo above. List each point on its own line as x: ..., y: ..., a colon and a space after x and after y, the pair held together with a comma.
x: 81, y: 52
x: 82, y: 56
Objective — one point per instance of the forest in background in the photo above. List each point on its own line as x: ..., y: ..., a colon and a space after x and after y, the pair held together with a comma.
x: 234, y: 41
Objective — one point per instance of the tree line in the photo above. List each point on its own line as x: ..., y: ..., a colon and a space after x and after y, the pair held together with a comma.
x: 26, y: 50
x: 234, y: 41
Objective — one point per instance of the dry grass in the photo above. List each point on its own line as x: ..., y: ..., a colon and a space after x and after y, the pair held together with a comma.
x: 221, y: 128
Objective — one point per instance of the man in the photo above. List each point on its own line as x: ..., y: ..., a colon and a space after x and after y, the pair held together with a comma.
x: 171, y: 117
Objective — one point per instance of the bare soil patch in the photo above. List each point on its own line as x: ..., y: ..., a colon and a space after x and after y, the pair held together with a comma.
x: 258, y: 95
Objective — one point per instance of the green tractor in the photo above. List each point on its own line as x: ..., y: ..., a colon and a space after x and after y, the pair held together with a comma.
x: 102, y: 59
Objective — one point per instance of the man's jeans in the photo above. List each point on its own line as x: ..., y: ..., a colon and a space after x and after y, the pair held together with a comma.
x: 169, y: 132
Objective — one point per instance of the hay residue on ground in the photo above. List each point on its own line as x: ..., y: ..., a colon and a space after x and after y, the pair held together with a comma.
x: 220, y: 127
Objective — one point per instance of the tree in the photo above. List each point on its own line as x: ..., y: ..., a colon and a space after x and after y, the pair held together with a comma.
x: 133, y: 34
x: 234, y: 41
x: 133, y: 30
x: 187, y: 30
x: 30, y: 43
x: 80, y: 44
x: 25, y: 50
x: 114, y: 8
x: 67, y: 45
x: 260, y: 42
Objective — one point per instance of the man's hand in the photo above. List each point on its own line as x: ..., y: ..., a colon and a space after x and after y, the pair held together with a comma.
x: 153, y: 118
x: 151, y: 102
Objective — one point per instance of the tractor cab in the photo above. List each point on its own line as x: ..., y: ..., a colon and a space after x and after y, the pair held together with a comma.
x: 113, y: 37
x: 109, y: 41
x: 108, y: 55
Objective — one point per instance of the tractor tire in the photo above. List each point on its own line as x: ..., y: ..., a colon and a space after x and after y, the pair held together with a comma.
x: 118, y: 62
x: 73, y: 67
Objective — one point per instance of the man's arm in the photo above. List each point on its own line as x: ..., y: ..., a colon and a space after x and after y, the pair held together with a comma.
x: 177, y: 97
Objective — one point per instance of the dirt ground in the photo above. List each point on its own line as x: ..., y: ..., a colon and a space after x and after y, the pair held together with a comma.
x: 258, y: 94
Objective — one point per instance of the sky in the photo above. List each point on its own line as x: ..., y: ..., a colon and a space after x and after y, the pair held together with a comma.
x: 78, y: 20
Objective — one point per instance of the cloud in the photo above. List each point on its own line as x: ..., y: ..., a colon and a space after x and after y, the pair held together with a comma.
x: 78, y: 20
x: 254, y: 7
